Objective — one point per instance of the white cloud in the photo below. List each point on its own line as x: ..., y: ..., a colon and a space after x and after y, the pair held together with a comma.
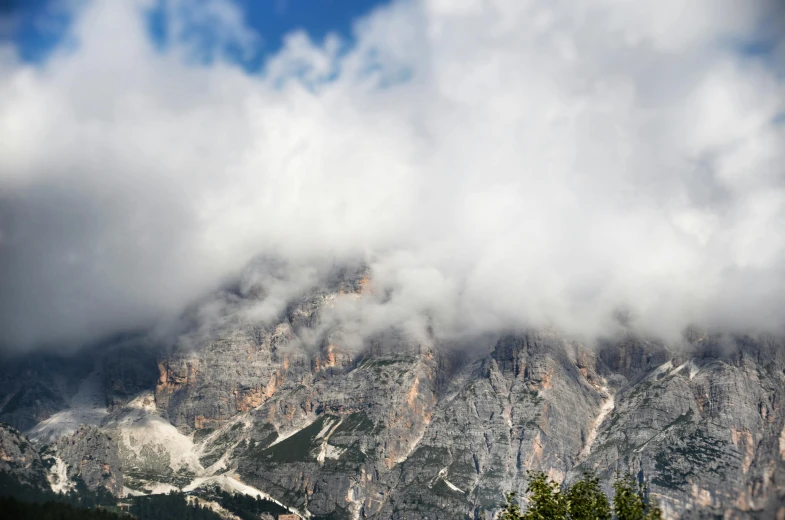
x: 544, y: 163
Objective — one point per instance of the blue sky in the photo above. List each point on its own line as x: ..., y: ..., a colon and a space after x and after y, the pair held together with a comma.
x: 39, y: 26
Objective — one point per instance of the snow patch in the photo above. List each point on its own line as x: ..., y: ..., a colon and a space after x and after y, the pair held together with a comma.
x: 782, y: 443
x: 451, y: 396
x: 693, y: 368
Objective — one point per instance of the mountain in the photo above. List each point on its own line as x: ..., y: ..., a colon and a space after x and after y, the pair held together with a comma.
x: 400, y: 426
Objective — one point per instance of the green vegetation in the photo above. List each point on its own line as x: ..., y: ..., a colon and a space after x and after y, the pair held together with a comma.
x: 14, y: 509
x: 80, y: 497
x: 31, y: 501
x: 266, y: 436
x: 629, y: 502
x: 340, y: 513
x: 356, y: 422
x: 247, y: 507
x: 545, y: 501
x: 172, y: 506
x: 583, y: 501
x: 699, y: 450
x: 296, y: 448
x: 28, y: 501
x: 587, y: 501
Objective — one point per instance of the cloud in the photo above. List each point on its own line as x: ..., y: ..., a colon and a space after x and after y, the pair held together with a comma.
x: 498, y: 165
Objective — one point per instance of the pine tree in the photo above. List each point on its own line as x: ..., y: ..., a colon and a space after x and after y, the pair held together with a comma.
x: 629, y: 501
x: 511, y: 510
x: 546, y: 501
x: 654, y: 512
x: 586, y: 501
x: 583, y: 501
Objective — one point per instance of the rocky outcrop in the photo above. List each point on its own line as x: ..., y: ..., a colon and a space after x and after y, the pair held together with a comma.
x: 129, y: 369
x: 19, y: 458
x: 526, y: 406
x: 233, y: 373
x: 703, y: 430
x: 91, y: 455
x: 33, y: 388
x: 238, y: 364
x: 345, y: 434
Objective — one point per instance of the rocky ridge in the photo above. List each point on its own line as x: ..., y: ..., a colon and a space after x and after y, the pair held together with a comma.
x: 405, y: 427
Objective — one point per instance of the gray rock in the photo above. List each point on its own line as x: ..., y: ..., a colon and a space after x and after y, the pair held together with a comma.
x: 412, y: 428
x: 92, y: 455
x: 19, y: 458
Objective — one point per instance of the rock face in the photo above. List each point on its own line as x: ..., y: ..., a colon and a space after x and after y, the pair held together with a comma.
x: 33, y: 388
x: 89, y: 454
x: 529, y: 405
x: 210, y: 376
x: 406, y: 427
x: 92, y: 455
x: 344, y: 433
x: 128, y: 370
x: 19, y: 458
x: 703, y: 428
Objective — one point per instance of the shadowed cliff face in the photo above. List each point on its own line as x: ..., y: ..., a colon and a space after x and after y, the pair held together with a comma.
x: 88, y: 454
x: 20, y: 458
x: 407, y: 428
x: 92, y: 455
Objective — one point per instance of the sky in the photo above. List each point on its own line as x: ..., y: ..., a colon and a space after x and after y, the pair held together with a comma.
x: 498, y: 164
x: 39, y: 27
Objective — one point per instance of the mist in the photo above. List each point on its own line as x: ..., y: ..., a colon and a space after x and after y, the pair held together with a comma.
x: 496, y: 165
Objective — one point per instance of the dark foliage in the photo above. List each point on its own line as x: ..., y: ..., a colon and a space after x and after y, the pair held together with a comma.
x: 170, y: 507
x: 583, y: 501
x: 80, y: 497
x: 12, y: 509
x: 248, y: 508
x: 629, y: 502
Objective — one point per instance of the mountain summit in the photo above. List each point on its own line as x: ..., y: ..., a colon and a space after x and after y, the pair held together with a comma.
x: 400, y: 426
